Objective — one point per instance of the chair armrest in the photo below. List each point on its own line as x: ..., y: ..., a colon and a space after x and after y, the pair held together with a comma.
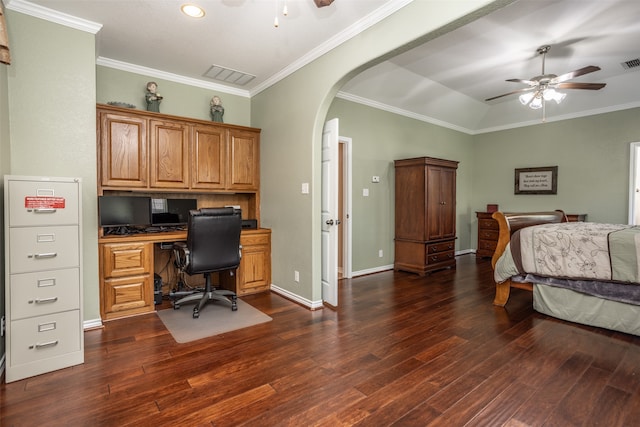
x: 181, y: 254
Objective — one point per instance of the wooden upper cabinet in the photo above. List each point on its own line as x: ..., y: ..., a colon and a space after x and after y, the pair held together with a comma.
x: 244, y: 160
x: 123, y: 151
x: 169, y: 157
x: 209, y: 154
x: 141, y: 150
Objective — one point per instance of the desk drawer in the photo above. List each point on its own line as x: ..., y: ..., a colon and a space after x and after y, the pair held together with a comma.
x: 43, y: 337
x: 44, y: 292
x: 255, y: 239
x: 43, y: 248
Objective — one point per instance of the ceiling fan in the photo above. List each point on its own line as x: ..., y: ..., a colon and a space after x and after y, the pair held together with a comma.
x: 543, y: 87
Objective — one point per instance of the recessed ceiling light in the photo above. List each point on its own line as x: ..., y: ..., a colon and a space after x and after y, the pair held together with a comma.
x: 192, y: 10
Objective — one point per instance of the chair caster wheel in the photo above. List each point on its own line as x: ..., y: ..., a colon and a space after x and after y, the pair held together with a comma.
x: 176, y: 307
x: 196, y: 314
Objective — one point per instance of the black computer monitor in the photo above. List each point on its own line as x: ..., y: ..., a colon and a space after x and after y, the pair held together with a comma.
x: 124, y: 211
x: 171, y: 212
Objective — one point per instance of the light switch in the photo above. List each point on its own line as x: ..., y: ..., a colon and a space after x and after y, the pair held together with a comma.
x: 305, y: 188
x: 365, y: 192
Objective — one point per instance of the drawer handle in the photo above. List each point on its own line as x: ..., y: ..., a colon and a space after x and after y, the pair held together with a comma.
x: 44, y: 344
x: 46, y: 255
x: 434, y: 258
x: 43, y: 300
x: 44, y: 210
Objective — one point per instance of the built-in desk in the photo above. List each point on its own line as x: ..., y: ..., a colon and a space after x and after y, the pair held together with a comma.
x: 127, y: 265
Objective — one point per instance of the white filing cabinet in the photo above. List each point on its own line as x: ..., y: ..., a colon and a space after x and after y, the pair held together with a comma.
x: 43, y: 247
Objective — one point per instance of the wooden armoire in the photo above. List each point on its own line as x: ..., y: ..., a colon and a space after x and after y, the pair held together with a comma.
x: 425, y: 214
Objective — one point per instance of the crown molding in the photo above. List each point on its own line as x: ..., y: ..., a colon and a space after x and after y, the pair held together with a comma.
x: 335, y: 41
x: 51, y: 15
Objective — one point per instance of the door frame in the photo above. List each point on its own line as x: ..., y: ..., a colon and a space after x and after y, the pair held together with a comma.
x: 634, y: 178
x: 347, y: 203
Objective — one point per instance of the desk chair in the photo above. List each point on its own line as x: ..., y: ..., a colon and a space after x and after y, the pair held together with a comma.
x: 213, y: 245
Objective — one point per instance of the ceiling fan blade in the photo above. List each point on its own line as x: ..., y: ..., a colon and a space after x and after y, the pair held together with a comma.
x: 575, y: 85
x: 527, y: 82
x: 527, y: 89
x: 573, y: 74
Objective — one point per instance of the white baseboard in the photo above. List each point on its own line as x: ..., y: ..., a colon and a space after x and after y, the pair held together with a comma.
x: 92, y: 324
x: 313, y: 305
x: 372, y: 270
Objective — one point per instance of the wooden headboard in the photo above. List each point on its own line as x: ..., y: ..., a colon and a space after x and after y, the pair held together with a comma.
x: 509, y: 223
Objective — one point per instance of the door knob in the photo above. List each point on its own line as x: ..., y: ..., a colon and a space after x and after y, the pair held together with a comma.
x: 329, y: 222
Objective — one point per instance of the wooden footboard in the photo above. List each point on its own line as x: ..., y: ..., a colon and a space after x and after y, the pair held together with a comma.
x: 509, y: 223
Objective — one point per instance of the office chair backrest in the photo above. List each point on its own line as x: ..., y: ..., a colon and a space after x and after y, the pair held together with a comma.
x: 213, y: 239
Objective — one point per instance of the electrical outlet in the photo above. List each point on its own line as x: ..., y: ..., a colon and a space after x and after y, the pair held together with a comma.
x: 375, y: 179
x: 296, y: 275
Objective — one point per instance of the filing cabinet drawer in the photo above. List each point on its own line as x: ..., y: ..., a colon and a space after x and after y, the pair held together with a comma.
x: 44, y: 337
x: 34, y: 203
x: 46, y: 292
x: 43, y: 248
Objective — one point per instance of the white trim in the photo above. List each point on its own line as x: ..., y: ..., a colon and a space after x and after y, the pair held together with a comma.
x: 313, y: 305
x: 92, y: 324
x: 373, y: 270
x: 634, y: 168
x: 384, y: 107
x: 47, y: 14
x: 347, y: 204
x: 356, y: 28
x: 151, y: 72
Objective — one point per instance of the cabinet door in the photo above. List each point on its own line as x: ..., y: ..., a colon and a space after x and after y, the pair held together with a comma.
x: 448, y: 207
x: 123, y: 151
x: 441, y: 202
x: 169, y: 154
x: 209, y: 153
x: 244, y: 160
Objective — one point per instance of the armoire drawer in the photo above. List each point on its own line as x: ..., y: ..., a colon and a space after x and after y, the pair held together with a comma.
x: 440, y: 257
x: 440, y: 247
x: 44, y: 292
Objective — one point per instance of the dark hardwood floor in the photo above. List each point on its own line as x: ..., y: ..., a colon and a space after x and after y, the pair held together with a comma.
x: 401, y: 350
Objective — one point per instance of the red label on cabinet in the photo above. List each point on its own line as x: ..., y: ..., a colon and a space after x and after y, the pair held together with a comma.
x: 46, y: 202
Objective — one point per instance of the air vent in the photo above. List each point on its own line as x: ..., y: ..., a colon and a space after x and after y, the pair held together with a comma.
x: 228, y: 75
x: 633, y: 63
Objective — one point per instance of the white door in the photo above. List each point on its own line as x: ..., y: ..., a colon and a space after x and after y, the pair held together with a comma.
x: 330, y: 213
x: 634, y: 184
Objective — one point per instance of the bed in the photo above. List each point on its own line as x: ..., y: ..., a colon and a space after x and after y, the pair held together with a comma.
x: 582, y: 272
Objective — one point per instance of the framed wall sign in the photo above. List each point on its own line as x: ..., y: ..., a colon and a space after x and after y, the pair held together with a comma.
x: 536, y: 180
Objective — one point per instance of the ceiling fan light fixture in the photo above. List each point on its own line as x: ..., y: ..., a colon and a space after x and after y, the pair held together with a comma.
x: 553, y: 95
x: 536, y: 102
x: 526, y: 98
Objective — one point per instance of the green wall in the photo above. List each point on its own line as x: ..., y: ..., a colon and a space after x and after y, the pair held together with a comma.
x: 178, y: 99
x: 592, y: 155
x: 379, y: 138
x: 51, y: 102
